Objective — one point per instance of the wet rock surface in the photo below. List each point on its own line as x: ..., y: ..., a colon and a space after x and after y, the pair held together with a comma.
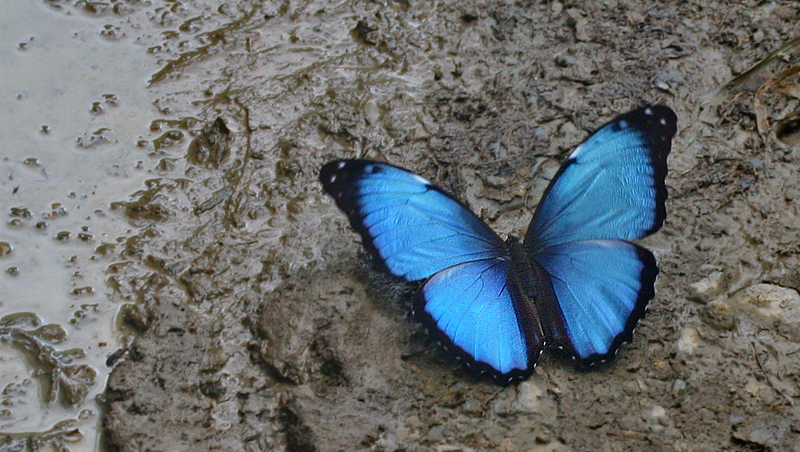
x: 264, y: 327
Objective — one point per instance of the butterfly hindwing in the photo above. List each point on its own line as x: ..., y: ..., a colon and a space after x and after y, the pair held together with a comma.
x: 473, y: 307
x: 412, y: 226
x: 611, y: 186
x: 602, y: 288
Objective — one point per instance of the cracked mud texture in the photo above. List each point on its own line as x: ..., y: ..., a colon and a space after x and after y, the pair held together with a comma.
x: 265, y: 327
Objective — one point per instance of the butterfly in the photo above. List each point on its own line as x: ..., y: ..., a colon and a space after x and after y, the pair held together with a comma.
x: 575, y: 283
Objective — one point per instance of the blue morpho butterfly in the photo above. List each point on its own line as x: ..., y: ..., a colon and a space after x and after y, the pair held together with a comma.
x: 575, y: 282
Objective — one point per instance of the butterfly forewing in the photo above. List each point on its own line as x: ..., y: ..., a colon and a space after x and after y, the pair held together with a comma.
x: 413, y: 227
x: 611, y: 186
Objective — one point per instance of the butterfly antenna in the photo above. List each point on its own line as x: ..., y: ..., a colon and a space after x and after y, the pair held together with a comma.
x: 516, y: 220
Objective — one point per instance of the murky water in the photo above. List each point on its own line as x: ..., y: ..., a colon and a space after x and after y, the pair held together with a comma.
x: 75, y: 104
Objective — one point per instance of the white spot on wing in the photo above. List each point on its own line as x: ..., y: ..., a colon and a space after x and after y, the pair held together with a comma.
x: 663, y: 121
x: 576, y: 152
x: 333, y: 178
x: 421, y: 179
x: 648, y: 111
x: 342, y: 165
x: 623, y: 124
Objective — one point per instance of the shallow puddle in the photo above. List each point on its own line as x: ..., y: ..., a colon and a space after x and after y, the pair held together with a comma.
x: 75, y: 104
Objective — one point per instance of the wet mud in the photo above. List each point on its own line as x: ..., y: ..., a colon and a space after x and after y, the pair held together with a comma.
x: 263, y: 326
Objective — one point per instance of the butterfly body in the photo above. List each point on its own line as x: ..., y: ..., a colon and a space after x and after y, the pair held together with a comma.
x: 532, y: 283
x: 575, y: 283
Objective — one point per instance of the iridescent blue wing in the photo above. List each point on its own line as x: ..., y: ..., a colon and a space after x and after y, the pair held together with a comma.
x: 420, y: 232
x: 610, y: 189
x: 474, y: 307
x: 611, y: 186
x: 412, y: 226
x: 602, y: 288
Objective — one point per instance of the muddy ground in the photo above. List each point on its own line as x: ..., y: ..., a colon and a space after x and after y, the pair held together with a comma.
x: 263, y: 326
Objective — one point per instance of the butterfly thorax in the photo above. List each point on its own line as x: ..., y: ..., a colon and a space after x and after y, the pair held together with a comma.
x: 521, y: 269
